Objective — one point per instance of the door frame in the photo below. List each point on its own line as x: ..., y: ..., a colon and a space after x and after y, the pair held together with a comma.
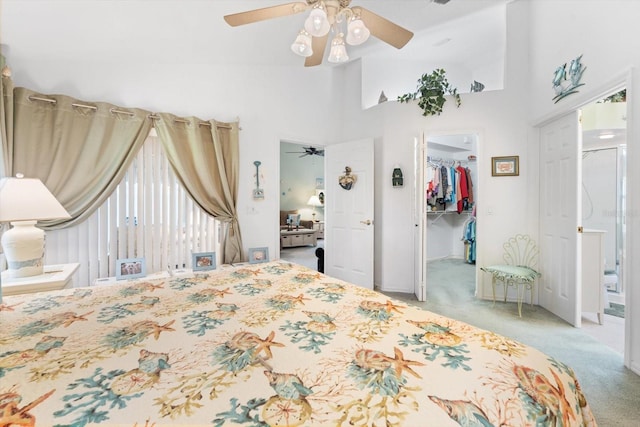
x: 301, y: 142
x: 622, y: 80
x: 420, y: 235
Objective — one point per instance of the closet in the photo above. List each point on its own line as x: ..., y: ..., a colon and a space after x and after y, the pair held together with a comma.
x: 446, y: 196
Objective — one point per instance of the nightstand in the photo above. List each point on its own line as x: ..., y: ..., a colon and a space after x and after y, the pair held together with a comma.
x: 55, y: 277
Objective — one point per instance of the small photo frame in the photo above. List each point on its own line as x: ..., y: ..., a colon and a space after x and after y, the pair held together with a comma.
x: 505, y: 166
x: 320, y: 194
x: 130, y: 268
x: 202, y: 261
x: 258, y: 255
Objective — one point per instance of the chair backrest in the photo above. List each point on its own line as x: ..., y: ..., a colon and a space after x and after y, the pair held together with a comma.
x: 521, y: 250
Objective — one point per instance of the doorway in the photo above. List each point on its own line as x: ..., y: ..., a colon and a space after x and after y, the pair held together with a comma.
x: 301, y: 202
x: 446, y: 219
x: 604, y: 167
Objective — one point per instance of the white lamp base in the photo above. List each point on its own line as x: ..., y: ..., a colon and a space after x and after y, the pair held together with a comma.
x: 23, y: 247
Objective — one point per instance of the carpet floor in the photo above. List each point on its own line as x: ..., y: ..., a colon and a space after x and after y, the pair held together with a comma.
x: 612, y: 390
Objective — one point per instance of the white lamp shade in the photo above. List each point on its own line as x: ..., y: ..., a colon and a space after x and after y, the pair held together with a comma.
x: 23, y: 201
x: 314, y: 201
x: 302, y: 45
x: 317, y: 23
x: 338, y: 51
x: 357, y: 32
x: 28, y: 199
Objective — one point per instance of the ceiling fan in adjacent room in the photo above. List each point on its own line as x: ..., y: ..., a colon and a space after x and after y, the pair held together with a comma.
x: 336, y: 15
x: 308, y: 151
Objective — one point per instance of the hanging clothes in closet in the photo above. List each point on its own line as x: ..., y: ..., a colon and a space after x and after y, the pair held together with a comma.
x: 469, y: 238
x: 448, y: 185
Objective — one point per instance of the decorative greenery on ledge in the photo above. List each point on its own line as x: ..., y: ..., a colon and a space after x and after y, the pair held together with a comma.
x: 431, y: 91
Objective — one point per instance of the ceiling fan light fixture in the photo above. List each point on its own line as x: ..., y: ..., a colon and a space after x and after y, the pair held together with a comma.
x: 357, y: 32
x: 338, y: 51
x: 302, y: 45
x: 317, y: 23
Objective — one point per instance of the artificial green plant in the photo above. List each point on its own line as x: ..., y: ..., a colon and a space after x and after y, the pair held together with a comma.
x: 431, y: 91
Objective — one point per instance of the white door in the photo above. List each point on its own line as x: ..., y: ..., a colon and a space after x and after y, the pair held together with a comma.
x: 560, y: 289
x: 348, y: 253
x: 420, y: 221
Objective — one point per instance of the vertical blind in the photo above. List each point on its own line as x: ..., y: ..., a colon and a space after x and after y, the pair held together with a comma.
x: 149, y: 216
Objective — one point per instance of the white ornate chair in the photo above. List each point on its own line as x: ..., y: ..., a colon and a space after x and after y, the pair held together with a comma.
x: 521, y: 257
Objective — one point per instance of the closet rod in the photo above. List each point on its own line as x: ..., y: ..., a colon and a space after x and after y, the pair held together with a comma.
x: 452, y: 161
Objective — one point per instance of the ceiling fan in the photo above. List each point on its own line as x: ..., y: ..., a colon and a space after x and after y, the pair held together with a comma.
x: 308, y: 151
x: 325, y: 15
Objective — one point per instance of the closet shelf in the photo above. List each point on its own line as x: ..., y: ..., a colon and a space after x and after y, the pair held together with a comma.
x: 439, y: 214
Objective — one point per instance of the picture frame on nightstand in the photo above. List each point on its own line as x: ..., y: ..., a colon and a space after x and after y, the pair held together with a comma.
x: 130, y: 268
x: 203, y: 261
x: 258, y: 255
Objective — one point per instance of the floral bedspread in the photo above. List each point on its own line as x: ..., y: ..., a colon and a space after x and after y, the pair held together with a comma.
x: 265, y: 344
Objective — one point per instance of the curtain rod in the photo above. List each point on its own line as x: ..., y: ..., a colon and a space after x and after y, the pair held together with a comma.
x: 155, y: 117
x: 37, y: 98
x: 116, y: 111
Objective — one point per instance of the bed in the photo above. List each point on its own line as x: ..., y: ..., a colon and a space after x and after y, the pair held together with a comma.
x: 271, y: 344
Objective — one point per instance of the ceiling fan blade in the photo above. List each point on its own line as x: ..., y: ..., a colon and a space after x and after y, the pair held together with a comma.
x: 256, y: 15
x: 384, y: 29
x: 318, y: 45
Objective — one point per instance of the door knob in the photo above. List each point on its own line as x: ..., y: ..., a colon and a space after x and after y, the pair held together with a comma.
x: 367, y: 222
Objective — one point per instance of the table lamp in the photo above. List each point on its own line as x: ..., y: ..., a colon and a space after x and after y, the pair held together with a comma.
x: 24, y: 201
x: 314, y: 201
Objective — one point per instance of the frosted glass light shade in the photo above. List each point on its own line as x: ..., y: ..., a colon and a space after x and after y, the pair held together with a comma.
x: 338, y: 51
x: 317, y: 23
x: 357, y: 32
x: 302, y: 45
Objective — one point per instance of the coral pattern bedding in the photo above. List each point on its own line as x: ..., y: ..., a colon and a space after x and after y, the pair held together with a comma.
x: 273, y: 344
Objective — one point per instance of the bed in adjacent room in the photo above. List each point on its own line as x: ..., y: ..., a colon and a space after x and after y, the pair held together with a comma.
x: 265, y: 344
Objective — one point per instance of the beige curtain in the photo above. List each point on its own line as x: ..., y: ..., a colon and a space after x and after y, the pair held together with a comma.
x: 79, y: 150
x: 6, y: 120
x: 205, y: 158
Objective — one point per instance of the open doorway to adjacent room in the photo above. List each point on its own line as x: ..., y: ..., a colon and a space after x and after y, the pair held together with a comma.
x: 301, y: 225
x: 604, y: 167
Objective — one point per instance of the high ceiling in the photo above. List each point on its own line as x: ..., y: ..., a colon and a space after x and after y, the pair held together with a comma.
x: 193, y: 31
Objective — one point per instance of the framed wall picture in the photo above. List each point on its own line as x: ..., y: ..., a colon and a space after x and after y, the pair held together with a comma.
x: 258, y: 255
x: 320, y: 194
x: 505, y: 166
x: 130, y: 268
x: 203, y: 261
